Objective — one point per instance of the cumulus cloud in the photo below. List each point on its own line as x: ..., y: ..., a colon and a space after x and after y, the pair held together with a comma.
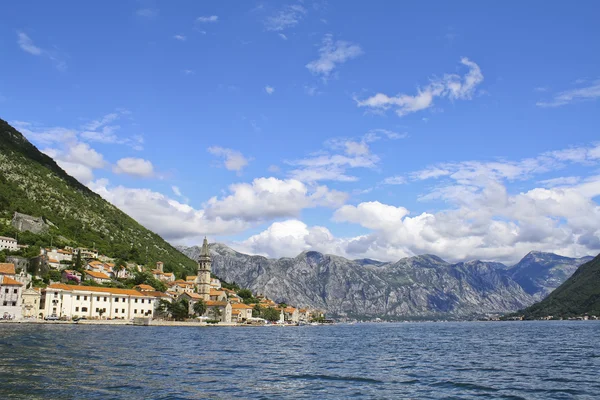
x: 134, y: 167
x: 181, y: 38
x: 587, y: 93
x: 233, y: 159
x: 269, y: 89
x: 451, y: 86
x: 287, y: 239
x: 331, y: 54
x: 77, y: 159
x: 268, y: 198
x: 287, y: 17
x: 171, y: 219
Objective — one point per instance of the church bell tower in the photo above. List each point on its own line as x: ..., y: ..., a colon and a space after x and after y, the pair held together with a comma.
x: 204, y: 269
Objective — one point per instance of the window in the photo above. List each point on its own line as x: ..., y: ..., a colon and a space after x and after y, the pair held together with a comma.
x: 97, y: 309
x: 123, y: 311
x: 105, y: 299
x: 85, y: 297
x: 14, y: 303
x: 104, y: 310
x: 136, y: 300
x: 78, y: 297
x: 15, y: 291
x: 116, y: 299
x: 6, y: 290
x: 55, y: 294
x: 83, y: 309
x: 54, y: 310
x: 76, y: 308
x: 5, y: 303
x: 98, y: 298
x: 142, y: 301
x: 135, y: 311
x: 116, y: 310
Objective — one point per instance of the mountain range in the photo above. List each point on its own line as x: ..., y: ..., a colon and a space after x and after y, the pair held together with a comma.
x: 416, y: 287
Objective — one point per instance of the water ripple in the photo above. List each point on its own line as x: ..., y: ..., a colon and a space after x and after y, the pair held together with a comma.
x: 537, y: 360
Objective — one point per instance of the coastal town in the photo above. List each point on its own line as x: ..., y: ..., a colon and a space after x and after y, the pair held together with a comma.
x: 83, y: 285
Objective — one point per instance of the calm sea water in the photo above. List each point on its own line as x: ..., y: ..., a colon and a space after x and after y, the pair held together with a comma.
x: 512, y: 360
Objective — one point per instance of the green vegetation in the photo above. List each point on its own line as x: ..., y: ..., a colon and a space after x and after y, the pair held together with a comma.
x: 199, y: 307
x: 32, y: 183
x: 178, y: 310
x: 577, y: 296
x: 270, y: 314
x: 257, y: 311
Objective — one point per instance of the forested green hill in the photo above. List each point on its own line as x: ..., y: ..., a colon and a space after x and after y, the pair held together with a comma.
x: 32, y: 183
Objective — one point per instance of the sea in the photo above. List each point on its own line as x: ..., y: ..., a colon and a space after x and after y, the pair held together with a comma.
x: 428, y: 360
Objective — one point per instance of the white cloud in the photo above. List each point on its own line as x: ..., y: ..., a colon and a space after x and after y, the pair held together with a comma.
x: 281, y: 35
x: 311, y: 90
x: 268, y: 198
x: 326, y: 165
x: 287, y: 17
x: 135, y: 167
x: 77, y: 159
x: 171, y: 219
x: 332, y: 54
x: 269, y: 89
x: 588, y: 93
x: 450, y: 86
x: 181, y: 38
x: 287, y: 239
x: 176, y: 190
x: 211, y: 18
x: 394, y: 180
x: 234, y: 160
x: 27, y: 44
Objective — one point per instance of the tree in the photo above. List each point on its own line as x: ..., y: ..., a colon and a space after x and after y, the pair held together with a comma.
x: 270, y: 314
x: 163, y: 307
x: 101, y: 311
x: 180, y: 309
x: 257, y: 311
x: 199, y: 307
x: 78, y: 262
x: 54, y: 276
x: 245, y: 294
x: 216, y: 313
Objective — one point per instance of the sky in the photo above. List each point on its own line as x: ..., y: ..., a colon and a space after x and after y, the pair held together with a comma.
x: 363, y: 129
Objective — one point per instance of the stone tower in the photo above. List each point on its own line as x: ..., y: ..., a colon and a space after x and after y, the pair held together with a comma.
x: 204, y: 269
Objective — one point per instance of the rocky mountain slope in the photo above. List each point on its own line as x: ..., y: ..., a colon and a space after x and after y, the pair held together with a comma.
x: 416, y: 287
x: 540, y: 273
x: 32, y: 183
x: 578, y: 295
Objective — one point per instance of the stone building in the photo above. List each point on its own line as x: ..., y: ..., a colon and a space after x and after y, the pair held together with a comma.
x: 204, y: 269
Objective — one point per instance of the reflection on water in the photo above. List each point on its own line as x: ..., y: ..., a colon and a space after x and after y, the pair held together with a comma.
x: 533, y: 360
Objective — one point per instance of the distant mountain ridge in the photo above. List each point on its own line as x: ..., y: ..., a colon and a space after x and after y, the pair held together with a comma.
x: 423, y: 286
x: 540, y: 273
x: 577, y: 296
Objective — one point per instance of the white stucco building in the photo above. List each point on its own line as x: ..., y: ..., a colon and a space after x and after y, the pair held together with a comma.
x: 10, y: 298
x: 71, y: 301
x: 7, y: 243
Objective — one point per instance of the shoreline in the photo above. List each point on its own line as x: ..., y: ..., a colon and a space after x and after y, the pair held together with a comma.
x: 131, y: 323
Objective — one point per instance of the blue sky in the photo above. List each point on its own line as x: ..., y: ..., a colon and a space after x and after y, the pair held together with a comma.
x: 365, y: 130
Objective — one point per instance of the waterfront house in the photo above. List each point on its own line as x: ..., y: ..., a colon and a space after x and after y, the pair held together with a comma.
x: 244, y: 311
x: 10, y: 297
x: 224, y: 310
x: 31, y: 301
x: 70, y: 301
x: 291, y: 314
